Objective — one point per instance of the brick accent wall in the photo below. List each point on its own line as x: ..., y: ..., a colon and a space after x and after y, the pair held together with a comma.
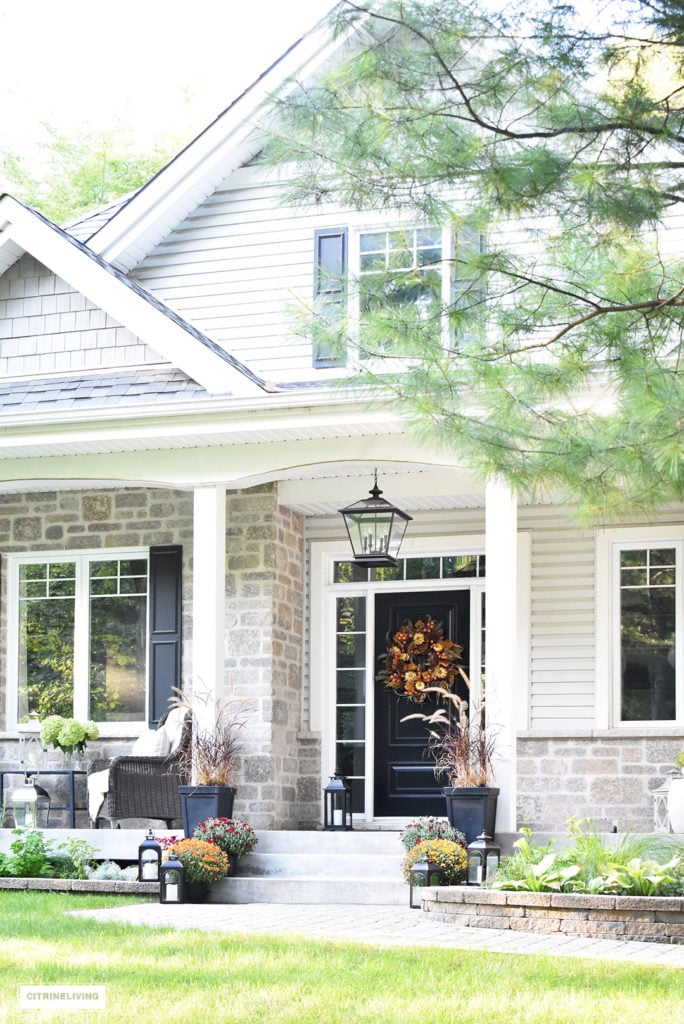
x: 607, y: 778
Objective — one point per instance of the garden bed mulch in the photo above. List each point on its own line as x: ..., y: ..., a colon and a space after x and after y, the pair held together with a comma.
x: 644, y: 918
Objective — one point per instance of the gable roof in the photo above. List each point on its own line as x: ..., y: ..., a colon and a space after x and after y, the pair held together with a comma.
x: 183, y: 345
x: 228, y: 143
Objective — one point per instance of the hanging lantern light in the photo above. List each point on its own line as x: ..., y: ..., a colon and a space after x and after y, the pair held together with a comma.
x: 423, y: 873
x: 375, y: 528
x: 30, y: 805
x: 171, y: 881
x: 149, y: 859
x: 483, y: 860
x: 337, y: 814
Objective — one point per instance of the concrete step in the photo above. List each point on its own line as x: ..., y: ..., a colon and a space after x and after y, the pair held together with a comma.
x: 311, y: 863
x: 318, y: 867
x: 314, y: 890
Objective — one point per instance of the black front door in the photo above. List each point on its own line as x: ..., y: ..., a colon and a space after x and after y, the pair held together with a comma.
x: 405, y: 785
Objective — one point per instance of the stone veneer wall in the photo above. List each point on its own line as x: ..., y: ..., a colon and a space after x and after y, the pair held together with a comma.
x: 279, y: 783
x: 76, y: 520
x: 607, y: 778
x: 644, y: 918
x: 280, y: 771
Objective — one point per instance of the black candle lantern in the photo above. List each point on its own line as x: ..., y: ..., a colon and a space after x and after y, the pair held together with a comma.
x: 171, y: 882
x: 375, y: 528
x: 483, y: 860
x: 423, y: 873
x: 149, y: 859
x: 337, y: 815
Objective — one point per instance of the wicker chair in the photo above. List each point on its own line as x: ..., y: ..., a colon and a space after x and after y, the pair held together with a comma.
x: 144, y: 787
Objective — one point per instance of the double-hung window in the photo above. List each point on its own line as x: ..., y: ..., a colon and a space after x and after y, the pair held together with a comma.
x: 94, y: 634
x: 401, y: 280
x: 647, y: 627
x: 401, y: 271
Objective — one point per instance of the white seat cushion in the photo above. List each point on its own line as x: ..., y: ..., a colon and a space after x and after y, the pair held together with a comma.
x: 98, y: 787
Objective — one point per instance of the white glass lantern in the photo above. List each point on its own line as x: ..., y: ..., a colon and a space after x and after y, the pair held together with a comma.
x: 30, y: 805
x: 661, y: 816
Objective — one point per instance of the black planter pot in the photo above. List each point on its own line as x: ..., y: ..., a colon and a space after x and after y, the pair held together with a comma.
x: 196, y: 892
x: 200, y: 802
x: 472, y: 809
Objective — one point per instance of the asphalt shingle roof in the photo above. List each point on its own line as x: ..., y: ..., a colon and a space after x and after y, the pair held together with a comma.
x: 125, y: 387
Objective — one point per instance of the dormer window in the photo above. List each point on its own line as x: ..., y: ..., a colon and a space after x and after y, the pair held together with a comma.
x: 400, y: 275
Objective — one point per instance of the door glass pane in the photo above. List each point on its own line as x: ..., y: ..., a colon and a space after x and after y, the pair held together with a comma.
x: 350, y: 716
x: 351, y: 686
x: 351, y: 723
x: 647, y: 634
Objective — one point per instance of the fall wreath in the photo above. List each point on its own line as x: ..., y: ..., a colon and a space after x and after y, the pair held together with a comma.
x: 419, y: 656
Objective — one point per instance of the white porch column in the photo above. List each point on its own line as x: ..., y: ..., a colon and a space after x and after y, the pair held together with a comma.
x: 501, y: 639
x: 209, y: 591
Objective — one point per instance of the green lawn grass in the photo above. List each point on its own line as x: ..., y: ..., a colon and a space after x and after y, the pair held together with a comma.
x: 192, y: 976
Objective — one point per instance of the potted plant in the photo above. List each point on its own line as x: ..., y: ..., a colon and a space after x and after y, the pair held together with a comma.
x: 446, y: 853
x: 463, y: 750
x: 211, y: 760
x: 235, y: 838
x: 429, y: 827
x: 67, y: 734
x: 675, y: 796
x: 203, y: 864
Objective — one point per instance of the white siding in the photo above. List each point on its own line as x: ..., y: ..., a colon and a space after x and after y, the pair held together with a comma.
x: 47, y: 327
x: 562, y: 631
x: 237, y: 268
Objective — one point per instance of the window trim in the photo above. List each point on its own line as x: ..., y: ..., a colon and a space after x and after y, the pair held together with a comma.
x: 609, y: 545
x: 14, y: 561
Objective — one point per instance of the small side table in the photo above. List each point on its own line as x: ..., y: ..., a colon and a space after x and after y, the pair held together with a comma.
x: 70, y: 773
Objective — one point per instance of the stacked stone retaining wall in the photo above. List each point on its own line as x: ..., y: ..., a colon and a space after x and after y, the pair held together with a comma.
x: 645, y: 918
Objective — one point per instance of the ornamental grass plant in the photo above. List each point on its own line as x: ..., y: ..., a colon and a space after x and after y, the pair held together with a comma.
x: 213, y: 756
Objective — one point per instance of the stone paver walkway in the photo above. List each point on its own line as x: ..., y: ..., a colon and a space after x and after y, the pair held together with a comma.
x: 380, y: 926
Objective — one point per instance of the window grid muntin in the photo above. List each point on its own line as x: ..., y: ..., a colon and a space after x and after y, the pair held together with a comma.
x: 56, y: 567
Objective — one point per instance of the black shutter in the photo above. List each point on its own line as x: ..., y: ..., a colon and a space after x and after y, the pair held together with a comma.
x: 166, y: 625
x: 330, y: 294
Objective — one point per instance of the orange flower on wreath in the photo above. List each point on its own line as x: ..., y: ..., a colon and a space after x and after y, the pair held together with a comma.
x: 420, y: 656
